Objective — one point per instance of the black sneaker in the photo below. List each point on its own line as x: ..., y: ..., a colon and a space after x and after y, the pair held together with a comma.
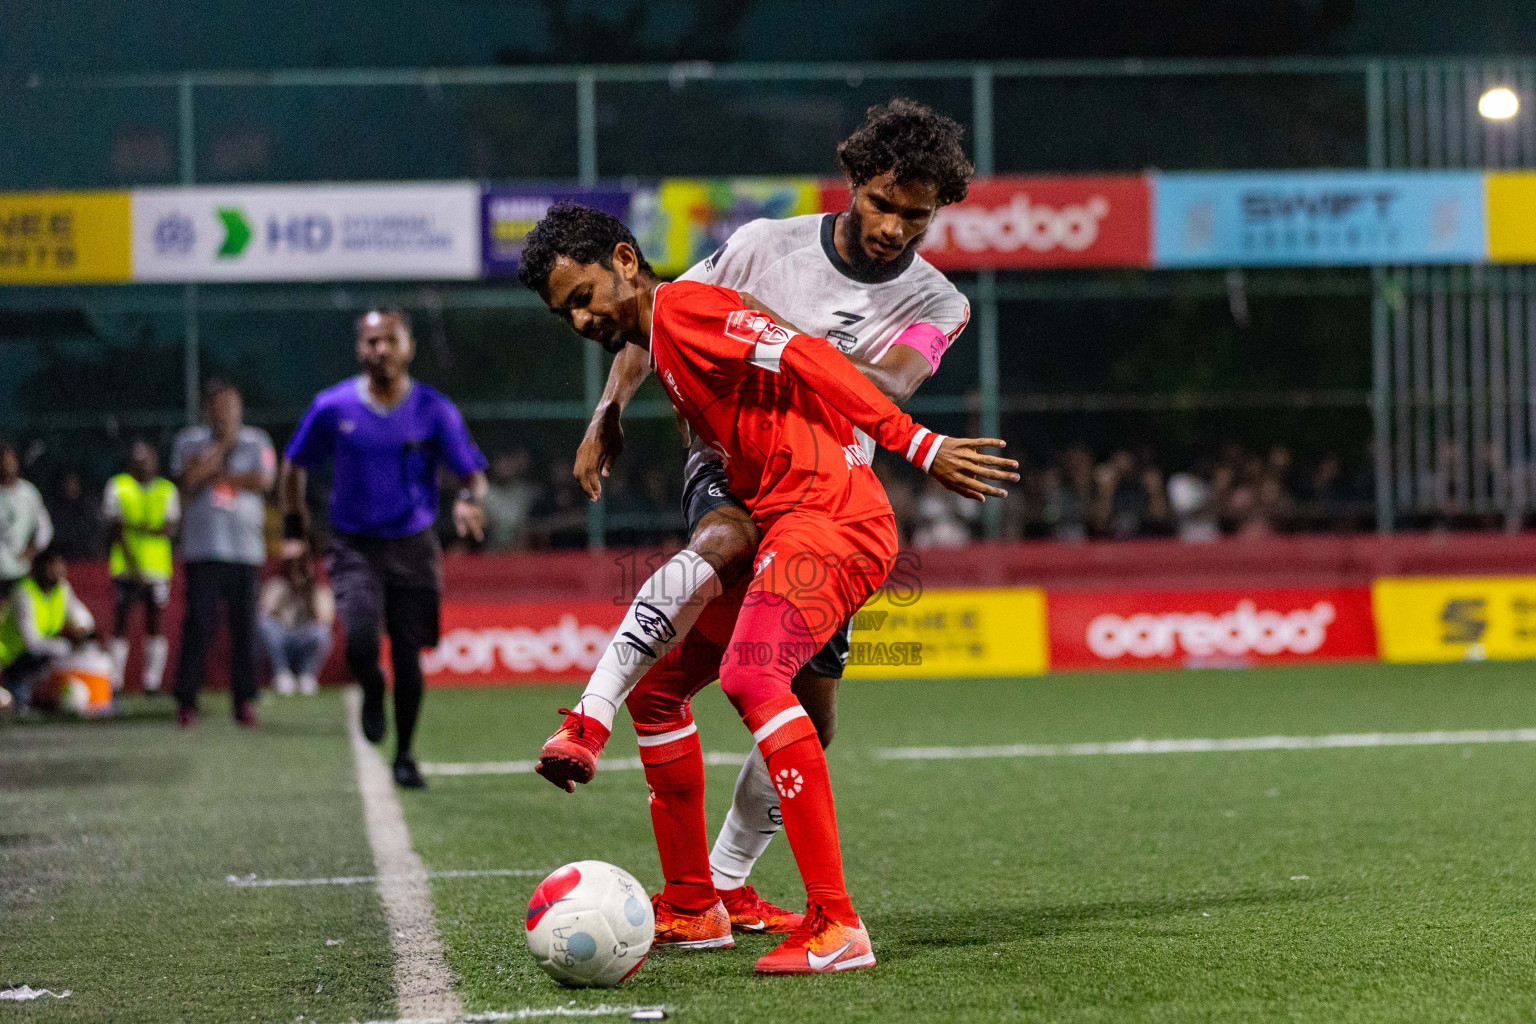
x: 373, y: 716
x: 407, y: 775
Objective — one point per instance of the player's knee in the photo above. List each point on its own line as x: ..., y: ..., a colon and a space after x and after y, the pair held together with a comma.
x: 362, y: 653
x: 726, y: 539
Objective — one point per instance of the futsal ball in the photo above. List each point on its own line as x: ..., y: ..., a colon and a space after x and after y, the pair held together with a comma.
x: 590, y: 924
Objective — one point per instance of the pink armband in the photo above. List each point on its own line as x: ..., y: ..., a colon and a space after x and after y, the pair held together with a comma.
x: 929, y: 341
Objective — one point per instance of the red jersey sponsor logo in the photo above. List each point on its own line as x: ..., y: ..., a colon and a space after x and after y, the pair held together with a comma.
x: 1065, y: 221
x: 1211, y: 628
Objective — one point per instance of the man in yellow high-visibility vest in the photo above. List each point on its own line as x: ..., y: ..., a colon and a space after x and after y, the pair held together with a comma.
x: 142, y: 510
x: 43, y: 622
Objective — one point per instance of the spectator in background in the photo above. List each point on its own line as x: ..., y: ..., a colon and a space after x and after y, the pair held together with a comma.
x: 44, y: 621
x: 1067, y: 493
x: 560, y: 514
x: 902, y: 496
x: 25, y: 527
x: 76, y: 521
x: 942, y: 519
x: 224, y: 469
x: 142, y: 510
x: 508, y: 502
x: 1196, y: 498
x: 296, y: 616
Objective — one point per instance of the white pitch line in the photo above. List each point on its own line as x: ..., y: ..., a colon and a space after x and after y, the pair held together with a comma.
x: 1201, y: 746
x: 423, y: 982
x: 526, y: 1013
x: 265, y: 883
x: 617, y: 764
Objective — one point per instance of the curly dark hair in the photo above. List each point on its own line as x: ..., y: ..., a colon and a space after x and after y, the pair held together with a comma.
x: 912, y: 140
x: 575, y: 231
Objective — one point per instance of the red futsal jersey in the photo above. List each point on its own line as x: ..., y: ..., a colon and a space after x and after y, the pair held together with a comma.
x: 779, y: 408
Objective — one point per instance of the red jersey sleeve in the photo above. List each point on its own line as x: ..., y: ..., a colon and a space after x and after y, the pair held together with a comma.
x: 716, y: 324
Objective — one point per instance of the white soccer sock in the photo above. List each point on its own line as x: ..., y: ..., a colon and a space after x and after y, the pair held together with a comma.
x: 749, y: 827
x: 156, y: 650
x: 117, y: 652
x: 663, y: 612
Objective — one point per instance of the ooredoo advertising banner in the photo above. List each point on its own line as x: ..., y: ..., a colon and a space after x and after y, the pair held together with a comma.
x: 308, y: 233
x: 509, y: 211
x: 64, y: 237
x: 1318, y: 218
x: 1456, y: 619
x: 1215, y: 628
x: 501, y: 643
x: 1022, y: 222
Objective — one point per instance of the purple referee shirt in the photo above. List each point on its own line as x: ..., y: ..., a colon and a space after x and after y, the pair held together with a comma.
x: 385, y: 478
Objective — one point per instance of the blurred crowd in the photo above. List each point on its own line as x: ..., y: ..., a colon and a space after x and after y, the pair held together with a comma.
x: 1078, y: 494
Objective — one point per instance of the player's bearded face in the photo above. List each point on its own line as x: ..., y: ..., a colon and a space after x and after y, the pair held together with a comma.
x: 888, y: 218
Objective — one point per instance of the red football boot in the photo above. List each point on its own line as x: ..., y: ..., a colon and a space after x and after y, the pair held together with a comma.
x: 751, y: 913
x: 820, y: 946
x: 570, y: 755
x: 709, y: 928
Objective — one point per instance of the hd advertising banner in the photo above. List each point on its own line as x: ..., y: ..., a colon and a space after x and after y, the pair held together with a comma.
x: 509, y: 211
x: 424, y: 231
x: 64, y: 237
x: 1318, y: 219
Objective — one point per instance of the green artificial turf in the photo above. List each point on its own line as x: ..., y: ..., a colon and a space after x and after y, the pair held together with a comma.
x: 1108, y: 888
x: 1374, y: 884
x: 116, y: 840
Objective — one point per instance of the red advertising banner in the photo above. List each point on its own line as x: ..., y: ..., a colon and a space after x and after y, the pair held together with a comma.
x: 1208, y: 628
x: 1021, y: 222
x: 501, y: 644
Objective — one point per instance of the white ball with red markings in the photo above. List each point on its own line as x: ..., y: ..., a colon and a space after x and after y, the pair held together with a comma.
x: 590, y: 924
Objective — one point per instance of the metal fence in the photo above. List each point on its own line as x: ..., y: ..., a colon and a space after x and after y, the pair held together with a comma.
x: 587, y: 123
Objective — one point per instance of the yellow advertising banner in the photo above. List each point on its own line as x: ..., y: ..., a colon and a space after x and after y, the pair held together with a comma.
x: 950, y: 634
x: 692, y: 217
x: 1455, y: 619
x: 1512, y: 217
x: 65, y: 237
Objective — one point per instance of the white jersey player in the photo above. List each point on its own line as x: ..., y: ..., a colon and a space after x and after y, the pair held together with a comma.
x: 856, y: 279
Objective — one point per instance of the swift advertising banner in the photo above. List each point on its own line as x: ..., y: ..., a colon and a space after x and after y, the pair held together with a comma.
x: 1318, y: 219
x: 1439, y: 619
x: 1024, y: 222
x: 509, y: 211
x: 307, y: 233
x: 64, y: 237
x: 686, y: 219
x: 1200, y: 628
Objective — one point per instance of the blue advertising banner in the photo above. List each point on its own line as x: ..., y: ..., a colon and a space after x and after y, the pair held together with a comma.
x: 1318, y: 218
x: 509, y: 211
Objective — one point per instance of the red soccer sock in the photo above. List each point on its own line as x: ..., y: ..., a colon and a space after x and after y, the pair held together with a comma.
x: 674, y: 770
x: 798, y: 767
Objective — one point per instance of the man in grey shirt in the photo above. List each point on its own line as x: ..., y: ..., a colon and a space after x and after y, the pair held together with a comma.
x: 224, y: 470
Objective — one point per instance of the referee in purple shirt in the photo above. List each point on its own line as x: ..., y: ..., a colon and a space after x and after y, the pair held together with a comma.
x: 385, y: 435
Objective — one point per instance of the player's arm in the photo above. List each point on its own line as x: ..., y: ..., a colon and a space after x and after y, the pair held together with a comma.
x: 956, y: 462
x: 117, y: 532
x: 898, y: 373
x: 604, y: 440
x: 292, y: 481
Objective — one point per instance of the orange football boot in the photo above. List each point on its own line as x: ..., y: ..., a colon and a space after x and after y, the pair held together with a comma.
x: 704, y: 929
x: 820, y: 946
x: 570, y: 755
x: 751, y: 913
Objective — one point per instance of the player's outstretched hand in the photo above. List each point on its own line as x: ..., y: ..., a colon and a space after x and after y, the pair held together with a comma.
x: 961, y: 466
x: 600, y: 449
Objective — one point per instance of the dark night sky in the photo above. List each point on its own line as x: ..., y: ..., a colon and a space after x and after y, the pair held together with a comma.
x: 101, y: 35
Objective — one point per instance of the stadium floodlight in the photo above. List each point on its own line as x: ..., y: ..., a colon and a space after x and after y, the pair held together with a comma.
x: 1498, y: 104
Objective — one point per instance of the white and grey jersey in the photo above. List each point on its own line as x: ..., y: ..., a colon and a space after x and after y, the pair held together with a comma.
x: 792, y: 267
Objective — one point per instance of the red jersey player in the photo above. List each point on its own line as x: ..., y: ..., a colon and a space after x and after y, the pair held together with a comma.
x: 780, y: 409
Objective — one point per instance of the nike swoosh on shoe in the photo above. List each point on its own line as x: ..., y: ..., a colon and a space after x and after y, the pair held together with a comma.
x: 819, y: 963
